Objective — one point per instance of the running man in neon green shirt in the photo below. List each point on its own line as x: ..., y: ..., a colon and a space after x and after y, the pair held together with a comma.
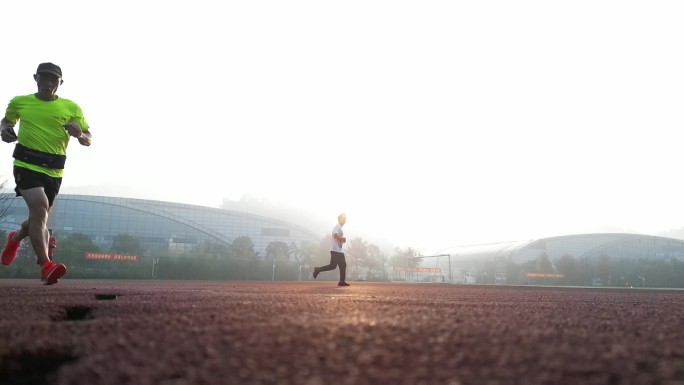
x: 46, y: 123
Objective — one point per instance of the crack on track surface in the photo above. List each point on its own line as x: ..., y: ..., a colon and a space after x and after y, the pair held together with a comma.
x: 106, y: 296
x: 74, y: 313
x: 33, y: 368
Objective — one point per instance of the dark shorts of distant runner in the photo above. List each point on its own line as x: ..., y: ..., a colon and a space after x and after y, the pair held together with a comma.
x: 28, y: 179
x: 337, y: 259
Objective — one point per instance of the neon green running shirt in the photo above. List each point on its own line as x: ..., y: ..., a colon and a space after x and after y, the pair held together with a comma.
x: 41, y: 126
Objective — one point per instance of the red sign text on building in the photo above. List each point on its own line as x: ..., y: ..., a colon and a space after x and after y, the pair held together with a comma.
x: 111, y: 257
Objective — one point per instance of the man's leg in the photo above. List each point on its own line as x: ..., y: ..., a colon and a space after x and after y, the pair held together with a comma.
x: 9, y: 252
x: 331, y: 266
x: 36, y: 225
x: 342, y: 262
x: 39, y: 208
x: 22, y: 232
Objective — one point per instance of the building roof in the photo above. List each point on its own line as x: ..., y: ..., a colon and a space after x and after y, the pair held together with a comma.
x: 578, y: 245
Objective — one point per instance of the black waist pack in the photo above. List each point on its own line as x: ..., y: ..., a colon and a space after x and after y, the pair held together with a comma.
x: 39, y: 158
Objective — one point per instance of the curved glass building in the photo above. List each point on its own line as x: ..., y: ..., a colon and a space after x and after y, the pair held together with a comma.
x: 158, y: 225
x: 590, y: 246
x: 591, y: 258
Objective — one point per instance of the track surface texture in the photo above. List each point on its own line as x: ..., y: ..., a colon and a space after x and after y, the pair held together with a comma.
x: 315, y: 333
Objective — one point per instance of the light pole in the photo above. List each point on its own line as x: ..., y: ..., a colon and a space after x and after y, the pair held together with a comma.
x: 273, y: 274
x: 155, y: 266
x: 643, y: 280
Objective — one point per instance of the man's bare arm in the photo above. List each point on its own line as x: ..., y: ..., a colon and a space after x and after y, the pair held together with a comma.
x: 84, y: 137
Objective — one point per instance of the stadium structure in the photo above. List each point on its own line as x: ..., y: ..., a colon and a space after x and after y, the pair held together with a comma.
x: 460, y: 264
x: 178, y: 227
x: 617, y: 245
x: 158, y: 225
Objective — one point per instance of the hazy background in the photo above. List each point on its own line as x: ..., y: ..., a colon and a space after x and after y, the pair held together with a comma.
x: 432, y: 124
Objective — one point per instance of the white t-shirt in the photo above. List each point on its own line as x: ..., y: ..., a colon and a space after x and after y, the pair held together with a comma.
x: 337, y: 245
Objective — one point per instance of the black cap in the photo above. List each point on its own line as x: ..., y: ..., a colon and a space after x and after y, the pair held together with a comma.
x: 50, y: 69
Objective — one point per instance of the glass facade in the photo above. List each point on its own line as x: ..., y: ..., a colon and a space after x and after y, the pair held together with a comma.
x: 158, y: 225
x: 590, y: 246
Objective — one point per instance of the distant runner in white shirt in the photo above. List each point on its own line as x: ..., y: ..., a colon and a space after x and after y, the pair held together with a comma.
x: 336, y: 254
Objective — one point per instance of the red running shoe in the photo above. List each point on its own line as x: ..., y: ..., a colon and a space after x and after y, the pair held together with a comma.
x: 51, y: 272
x: 11, y: 248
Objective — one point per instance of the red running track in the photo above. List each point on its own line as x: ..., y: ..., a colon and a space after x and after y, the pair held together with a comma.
x: 315, y: 333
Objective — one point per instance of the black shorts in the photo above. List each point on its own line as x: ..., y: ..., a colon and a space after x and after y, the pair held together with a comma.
x: 28, y: 179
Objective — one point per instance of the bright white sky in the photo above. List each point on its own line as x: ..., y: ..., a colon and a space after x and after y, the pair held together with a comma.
x: 432, y: 124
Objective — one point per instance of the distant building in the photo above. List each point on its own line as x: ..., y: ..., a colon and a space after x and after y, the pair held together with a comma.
x: 590, y: 246
x: 158, y: 225
x: 464, y: 264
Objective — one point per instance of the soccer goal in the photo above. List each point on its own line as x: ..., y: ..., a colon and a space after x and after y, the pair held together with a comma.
x: 434, y: 269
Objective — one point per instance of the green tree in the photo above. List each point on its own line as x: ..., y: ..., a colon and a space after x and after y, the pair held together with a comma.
x: 604, y: 269
x: 675, y: 273
x: 585, y: 271
x: 405, y: 258
x: 310, y: 254
x: 667, y: 272
x: 278, y: 250
x: 294, y: 253
x: 213, y: 249
x: 321, y: 252
x: 6, y: 200
x: 126, y: 244
x: 356, y: 254
x: 402, y: 261
x: 513, y: 272
x: 376, y: 263
x: 245, y: 262
x: 544, y: 264
x: 71, y: 251
x: 569, y: 267
x: 243, y: 248
x: 208, y: 260
x: 278, y: 253
x: 306, y: 252
x: 486, y: 270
